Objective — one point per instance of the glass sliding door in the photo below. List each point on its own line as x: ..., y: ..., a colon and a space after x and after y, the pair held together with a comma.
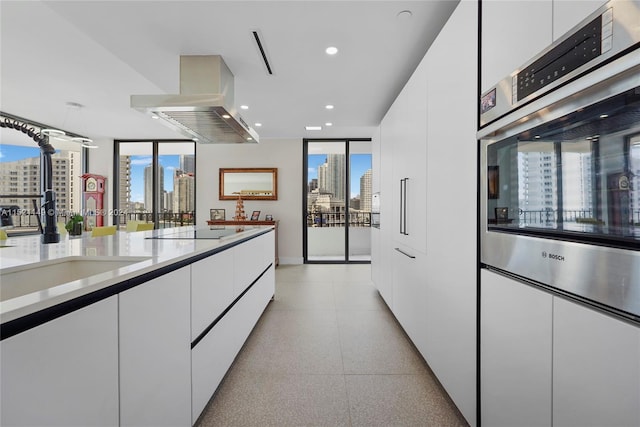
x: 155, y: 183
x: 336, y: 227
x: 360, y: 201
x: 135, y: 183
x: 177, y: 190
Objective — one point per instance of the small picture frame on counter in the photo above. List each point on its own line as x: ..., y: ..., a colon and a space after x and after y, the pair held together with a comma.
x: 255, y: 216
x: 217, y: 214
x: 268, y: 217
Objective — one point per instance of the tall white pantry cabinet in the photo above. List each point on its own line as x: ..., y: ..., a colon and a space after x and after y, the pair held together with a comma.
x: 425, y: 250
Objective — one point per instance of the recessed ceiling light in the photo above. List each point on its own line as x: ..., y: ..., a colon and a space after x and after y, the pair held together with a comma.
x: 328, y: 124
x: 155, y: 117
x: 313, y: 127
x: 329, y: 107
x: 331, y: 50
x: 604, y: 116
x: 404, y: 15
x: 249, y: 139
x: 226, y: 116
x: 244, y: 107
x: 537, y: 137
x: 258, y: 124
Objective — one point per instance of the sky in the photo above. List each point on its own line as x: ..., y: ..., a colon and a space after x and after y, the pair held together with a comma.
x: 359, y: 163
x: 169, y: 162
x: 11, y: 153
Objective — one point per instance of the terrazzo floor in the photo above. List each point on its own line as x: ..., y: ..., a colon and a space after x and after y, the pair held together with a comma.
x: 328, y: 352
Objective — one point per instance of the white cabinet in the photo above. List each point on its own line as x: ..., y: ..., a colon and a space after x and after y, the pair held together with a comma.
x: 568, y: 13
x: 549, y: 361
x: 239, y: 269
x: 250, y: 259
x: 515, y: 353
x: 450, y: 269
x: 409, y: 138
x: 387, y: 208
x: 63, y: 372
x: 214, y: 354
x: 428, y: 160
x: 155, y: 352
x: 408, y: 292
x: 375, y: 160
x: 512, y: 33
x: 212, y: 289
x: 596, y: 368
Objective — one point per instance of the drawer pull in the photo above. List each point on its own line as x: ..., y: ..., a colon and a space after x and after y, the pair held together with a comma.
x: 404, y: 253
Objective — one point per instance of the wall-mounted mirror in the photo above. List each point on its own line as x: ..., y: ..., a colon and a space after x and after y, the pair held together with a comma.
x: 250, y: 183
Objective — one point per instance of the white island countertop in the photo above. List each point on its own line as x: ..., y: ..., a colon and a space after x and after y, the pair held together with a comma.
x: 140, y: 254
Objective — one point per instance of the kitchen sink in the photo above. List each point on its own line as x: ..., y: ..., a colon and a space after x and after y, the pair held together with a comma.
x: 23, y: 280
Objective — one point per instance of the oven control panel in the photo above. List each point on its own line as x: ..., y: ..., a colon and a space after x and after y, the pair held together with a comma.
x: 582, y: 46
x: 609, y: 33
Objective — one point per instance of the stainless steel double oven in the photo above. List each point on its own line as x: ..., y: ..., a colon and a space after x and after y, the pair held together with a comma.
x: 560, y: 165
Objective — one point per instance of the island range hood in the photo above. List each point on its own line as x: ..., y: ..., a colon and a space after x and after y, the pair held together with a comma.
x: 204, y: 110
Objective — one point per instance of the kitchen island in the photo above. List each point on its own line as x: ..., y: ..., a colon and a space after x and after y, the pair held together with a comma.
x: 130, y: 329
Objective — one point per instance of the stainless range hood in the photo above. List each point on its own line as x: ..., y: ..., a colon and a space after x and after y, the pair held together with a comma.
x: 204, y: 110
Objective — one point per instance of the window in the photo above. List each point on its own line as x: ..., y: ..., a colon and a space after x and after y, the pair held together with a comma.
x: 337, y: 207
x: 21, y: 163
x: 155, y: 182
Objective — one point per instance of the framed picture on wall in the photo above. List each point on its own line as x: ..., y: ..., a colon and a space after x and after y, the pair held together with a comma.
x: 217, y: 214
x: 255, y: 215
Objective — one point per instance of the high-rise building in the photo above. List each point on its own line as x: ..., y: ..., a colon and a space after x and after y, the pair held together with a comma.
x: 322, y: 178
x: 188, y: 163
x: 538, y: 186
x: 148, y: 187
x: 124, y: 184
x: 168, y: 201
x: 22, y: 177
x: 313, y: 185
x: 184, y: 192
x: 335, y: 175
x: 365, y: 191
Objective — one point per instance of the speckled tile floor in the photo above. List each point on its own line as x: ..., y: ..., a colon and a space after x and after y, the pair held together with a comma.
x: 328, y: 352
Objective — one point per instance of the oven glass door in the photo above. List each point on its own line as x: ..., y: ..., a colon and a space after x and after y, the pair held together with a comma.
x: 574, y: 178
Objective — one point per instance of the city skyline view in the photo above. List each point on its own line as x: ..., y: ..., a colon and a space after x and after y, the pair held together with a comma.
x: 359, y: 164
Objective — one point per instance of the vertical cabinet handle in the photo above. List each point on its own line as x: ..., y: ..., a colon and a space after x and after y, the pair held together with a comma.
x: 406, y: 180
x: 403, y: 206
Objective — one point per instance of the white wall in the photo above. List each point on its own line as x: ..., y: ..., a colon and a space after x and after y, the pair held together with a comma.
x: 101, y: 163
x: 284, y: 154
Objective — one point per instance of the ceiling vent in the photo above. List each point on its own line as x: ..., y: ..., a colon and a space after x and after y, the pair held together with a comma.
x: 261, y: 50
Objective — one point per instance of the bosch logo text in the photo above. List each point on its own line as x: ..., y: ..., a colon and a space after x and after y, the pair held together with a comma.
x: 554, y: 257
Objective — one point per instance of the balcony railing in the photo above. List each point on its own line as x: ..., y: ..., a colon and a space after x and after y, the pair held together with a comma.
x: 550, y: 217
x: 329, y: 219
x: 26, y: 222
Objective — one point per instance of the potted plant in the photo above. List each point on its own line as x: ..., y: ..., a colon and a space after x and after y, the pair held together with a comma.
x: 74, y: 225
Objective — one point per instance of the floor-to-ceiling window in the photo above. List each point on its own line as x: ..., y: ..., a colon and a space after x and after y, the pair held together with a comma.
x: 337, y: 200
x: 20, y: 181
x: 154, y: 182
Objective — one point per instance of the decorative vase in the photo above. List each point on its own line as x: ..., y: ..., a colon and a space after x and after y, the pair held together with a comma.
x: 76, y: 230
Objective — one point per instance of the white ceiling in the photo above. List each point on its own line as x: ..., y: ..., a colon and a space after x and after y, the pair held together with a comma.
x: 98, y: 53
